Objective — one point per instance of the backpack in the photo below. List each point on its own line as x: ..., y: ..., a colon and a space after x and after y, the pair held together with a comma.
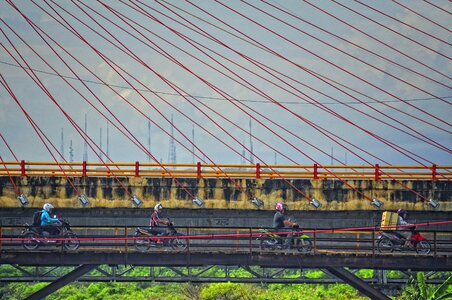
x: 37, y: 218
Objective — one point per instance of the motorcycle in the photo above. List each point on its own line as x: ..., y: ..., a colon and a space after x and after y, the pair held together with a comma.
x: 35, y: 236
x: 388, y: 241
x: 146, y: 238
x: 273, y: 241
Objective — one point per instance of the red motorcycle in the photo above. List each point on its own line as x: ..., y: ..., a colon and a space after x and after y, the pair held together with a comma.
x: 389, y: 240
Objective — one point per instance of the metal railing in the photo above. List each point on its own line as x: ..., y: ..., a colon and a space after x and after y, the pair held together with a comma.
x: 198, y: 170
x: 225, y: 239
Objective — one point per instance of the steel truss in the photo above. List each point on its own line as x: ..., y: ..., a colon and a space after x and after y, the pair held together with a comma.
x: 254, y: 274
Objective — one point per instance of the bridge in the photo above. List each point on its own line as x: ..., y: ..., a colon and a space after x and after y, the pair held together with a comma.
x: 337, y: 251
x: 336, y: 114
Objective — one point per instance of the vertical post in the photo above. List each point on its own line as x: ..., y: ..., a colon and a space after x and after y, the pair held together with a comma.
x: 315, y: 241
x: 22, y: 167
x: 127, y: 239
x: 198, y: 170
x: 373, y: 242
x: 258, y: 171
x: 84, y: 169
x: 434, y: 172
x: 316, y: 174
x: 434, y: 243
x: 251, y: 237
x: 377, y: 172
x: 137, y: 169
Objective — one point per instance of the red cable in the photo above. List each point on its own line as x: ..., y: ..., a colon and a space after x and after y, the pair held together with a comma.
x: 6, y: 86
x: 16, y: 189
x: 378, y: 40
x: 392, y: 30
x: 438, y: 7
x: 39, y: 83
x: 239, y: 54
x: 422, y: 16
x: 229, y: 235
x: 331, y: 63
x: 404, y: 23
x: 357, y: 45
x: 9, y: 148
x: 176, y: 128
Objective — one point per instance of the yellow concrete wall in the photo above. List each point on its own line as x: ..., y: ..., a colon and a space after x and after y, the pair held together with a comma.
x: 225, y: 194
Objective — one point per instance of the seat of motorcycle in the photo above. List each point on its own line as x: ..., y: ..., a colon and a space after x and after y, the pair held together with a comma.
x: 398, y: 234
x: 149, y: 230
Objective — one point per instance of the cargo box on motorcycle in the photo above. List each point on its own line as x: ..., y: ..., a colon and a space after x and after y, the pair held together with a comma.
x: 389, y: 219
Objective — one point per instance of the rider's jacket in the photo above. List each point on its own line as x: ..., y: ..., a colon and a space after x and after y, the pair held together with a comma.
x: 155, y: 219
x: 46, y: 219
x: 278, y: 220
x: 401, y: 221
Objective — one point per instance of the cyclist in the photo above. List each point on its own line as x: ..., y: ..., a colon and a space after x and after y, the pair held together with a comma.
x: 49, y: 224
x: 281, y: 223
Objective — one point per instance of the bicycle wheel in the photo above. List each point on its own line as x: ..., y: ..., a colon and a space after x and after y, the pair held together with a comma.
x: 385, y: 245
x: 30, y: 242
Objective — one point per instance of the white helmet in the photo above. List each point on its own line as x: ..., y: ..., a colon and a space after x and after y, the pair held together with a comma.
x: 48, y: 207
x: 158, y: 207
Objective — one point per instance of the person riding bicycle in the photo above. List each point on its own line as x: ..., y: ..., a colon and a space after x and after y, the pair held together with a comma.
x: 404, y: 231
x: 49, y: 224
x: 157, y: 222
x: 281, y: 222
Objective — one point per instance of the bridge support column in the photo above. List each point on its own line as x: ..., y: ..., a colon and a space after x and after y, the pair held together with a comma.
x: 357, y: 283
x: 69, y: 277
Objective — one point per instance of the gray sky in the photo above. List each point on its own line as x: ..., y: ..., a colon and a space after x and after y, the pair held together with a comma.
x: 310, y: 84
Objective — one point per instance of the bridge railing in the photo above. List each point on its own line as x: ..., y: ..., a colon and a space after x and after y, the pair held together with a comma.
x: 198, y: 170
x: 224, y: 239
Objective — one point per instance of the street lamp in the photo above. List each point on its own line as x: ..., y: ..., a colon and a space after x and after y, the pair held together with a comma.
x: 377, y: 203
x: 22, y: 200
x: 258, y: 203
x: 136, y: 201
x: 198, y: 201
x: 314, y: 202
x: 83, y: 200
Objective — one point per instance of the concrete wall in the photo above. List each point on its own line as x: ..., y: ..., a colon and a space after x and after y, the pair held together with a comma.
x: 334, y: 195
x: 133, y: 217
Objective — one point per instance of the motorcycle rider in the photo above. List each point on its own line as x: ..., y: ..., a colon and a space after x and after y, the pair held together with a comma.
x: 157, y: 222
x: 281, y: 222
x: 49, y: 224
x: 401, y: 221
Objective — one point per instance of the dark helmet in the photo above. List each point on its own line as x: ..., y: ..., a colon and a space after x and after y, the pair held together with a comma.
x: 401, y: 212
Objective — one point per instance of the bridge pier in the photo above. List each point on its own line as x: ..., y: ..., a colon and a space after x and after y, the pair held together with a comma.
x: 357, y: 283
x: 68, y: 278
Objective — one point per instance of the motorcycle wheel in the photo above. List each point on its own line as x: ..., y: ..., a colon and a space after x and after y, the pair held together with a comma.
x: 143, y: 244
x: 268, y: 243
x: 30, y: 243
x: 71, y: 243
x: 304, y: 245
x: 178, y: 244
x: 385, y: 245
x: 423, y: 247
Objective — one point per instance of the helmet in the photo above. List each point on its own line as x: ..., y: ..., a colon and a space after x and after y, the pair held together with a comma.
x: 48, y: 207
x: 279, y: 206
x: 401, y: 212
x: 158, y: 207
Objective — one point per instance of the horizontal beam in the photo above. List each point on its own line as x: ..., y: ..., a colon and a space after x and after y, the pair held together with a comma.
x: 270, y: 260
